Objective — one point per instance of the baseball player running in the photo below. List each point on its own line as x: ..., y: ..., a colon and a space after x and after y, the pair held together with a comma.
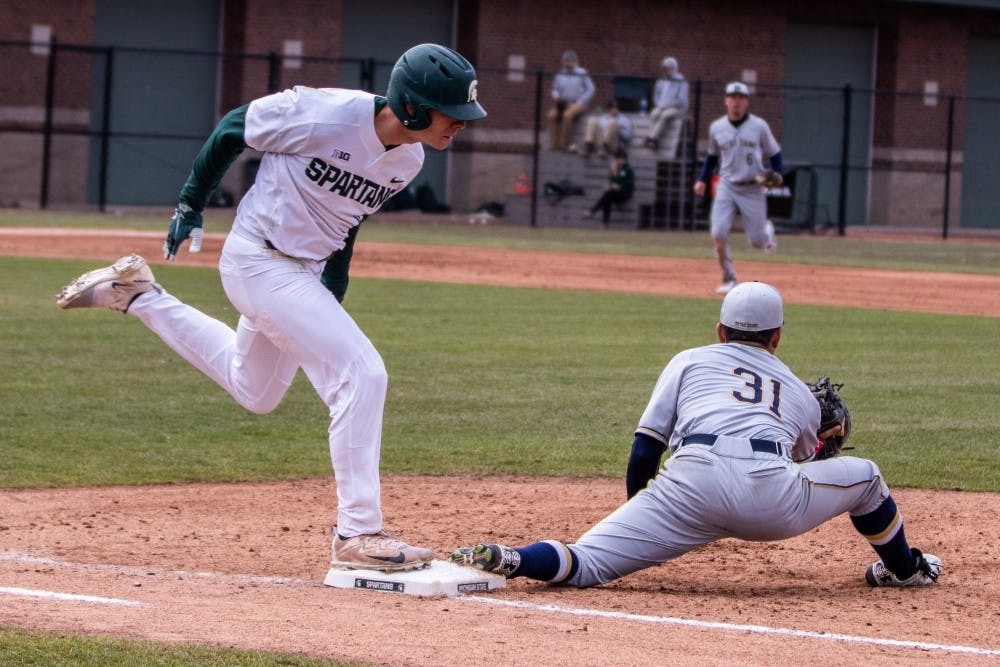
x: 742, y: 431
x: 330, y: 158
x: 742, y: 141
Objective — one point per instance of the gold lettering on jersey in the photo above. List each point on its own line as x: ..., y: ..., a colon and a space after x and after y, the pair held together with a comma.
x: 473, y: 94
x: 347, y: 184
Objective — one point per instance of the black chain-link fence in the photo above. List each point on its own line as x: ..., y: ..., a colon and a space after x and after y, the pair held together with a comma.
x: 87, y: 126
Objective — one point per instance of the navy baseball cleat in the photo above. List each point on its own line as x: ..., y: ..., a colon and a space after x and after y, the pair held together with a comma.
x: 489, y: 557
x: 928, y: 570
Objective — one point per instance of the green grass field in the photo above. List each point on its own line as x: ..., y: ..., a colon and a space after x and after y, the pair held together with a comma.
x: 486, y: 380
x: 30, y: 647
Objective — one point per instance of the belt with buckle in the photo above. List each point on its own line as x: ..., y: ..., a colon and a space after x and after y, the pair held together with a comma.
x: 757, y: 445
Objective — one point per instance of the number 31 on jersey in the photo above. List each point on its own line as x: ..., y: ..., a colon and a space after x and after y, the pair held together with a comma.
x: 754, y: 393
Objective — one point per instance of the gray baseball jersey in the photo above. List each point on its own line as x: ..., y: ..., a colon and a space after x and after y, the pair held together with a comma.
x: 729, y: 487
x: 741, y: 149
x: 758, y: 398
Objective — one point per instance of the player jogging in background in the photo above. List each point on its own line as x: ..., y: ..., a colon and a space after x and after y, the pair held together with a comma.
x: 742, y: 432
x: 739, y: 143
x: 331, y: 157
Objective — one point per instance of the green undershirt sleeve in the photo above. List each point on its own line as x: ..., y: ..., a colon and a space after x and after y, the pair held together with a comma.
x: 220, y: 150
x: 335, y: 276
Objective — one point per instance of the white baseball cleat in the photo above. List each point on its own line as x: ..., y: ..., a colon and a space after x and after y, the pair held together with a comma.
x: 726, y: 287
x: 928, y: 571
x: 114, y: 287
x: 772, y: 245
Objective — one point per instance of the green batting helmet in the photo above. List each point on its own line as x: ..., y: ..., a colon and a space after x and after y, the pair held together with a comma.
x: 430, y: 76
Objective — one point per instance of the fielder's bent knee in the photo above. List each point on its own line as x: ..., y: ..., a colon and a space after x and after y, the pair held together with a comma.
x: 877, y: 490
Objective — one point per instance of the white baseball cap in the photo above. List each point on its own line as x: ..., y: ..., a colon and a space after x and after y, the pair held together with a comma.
x: 752, y: 306
x: 669, y: 63
x: 737, y: 88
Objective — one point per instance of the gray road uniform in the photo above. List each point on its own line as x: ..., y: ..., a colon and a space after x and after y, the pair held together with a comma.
x: 741, y: 151
x: 735, y: 419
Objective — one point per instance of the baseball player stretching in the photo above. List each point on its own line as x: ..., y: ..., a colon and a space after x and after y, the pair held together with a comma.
x: 330, y: 158
x: 741, y: 428
x: 742, y: 141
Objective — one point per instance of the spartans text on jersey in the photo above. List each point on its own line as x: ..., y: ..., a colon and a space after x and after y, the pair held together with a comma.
x: 347, y: 184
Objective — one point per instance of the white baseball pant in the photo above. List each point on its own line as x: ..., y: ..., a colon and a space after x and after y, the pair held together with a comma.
x: 289, y: 320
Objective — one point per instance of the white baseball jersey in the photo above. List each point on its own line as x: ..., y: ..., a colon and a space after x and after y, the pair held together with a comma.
x: 741, y: 149
x: 323, y: 169
x: 758, y: 397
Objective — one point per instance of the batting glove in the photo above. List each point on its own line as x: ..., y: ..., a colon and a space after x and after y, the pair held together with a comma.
x: 185, y: 224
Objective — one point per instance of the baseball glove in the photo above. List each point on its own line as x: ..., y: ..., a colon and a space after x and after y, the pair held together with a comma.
x: 835, y: 419
x: 770, y: 178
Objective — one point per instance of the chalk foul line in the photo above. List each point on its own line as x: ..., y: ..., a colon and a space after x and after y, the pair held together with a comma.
x: 732, y: 627
x: 67, y: 597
